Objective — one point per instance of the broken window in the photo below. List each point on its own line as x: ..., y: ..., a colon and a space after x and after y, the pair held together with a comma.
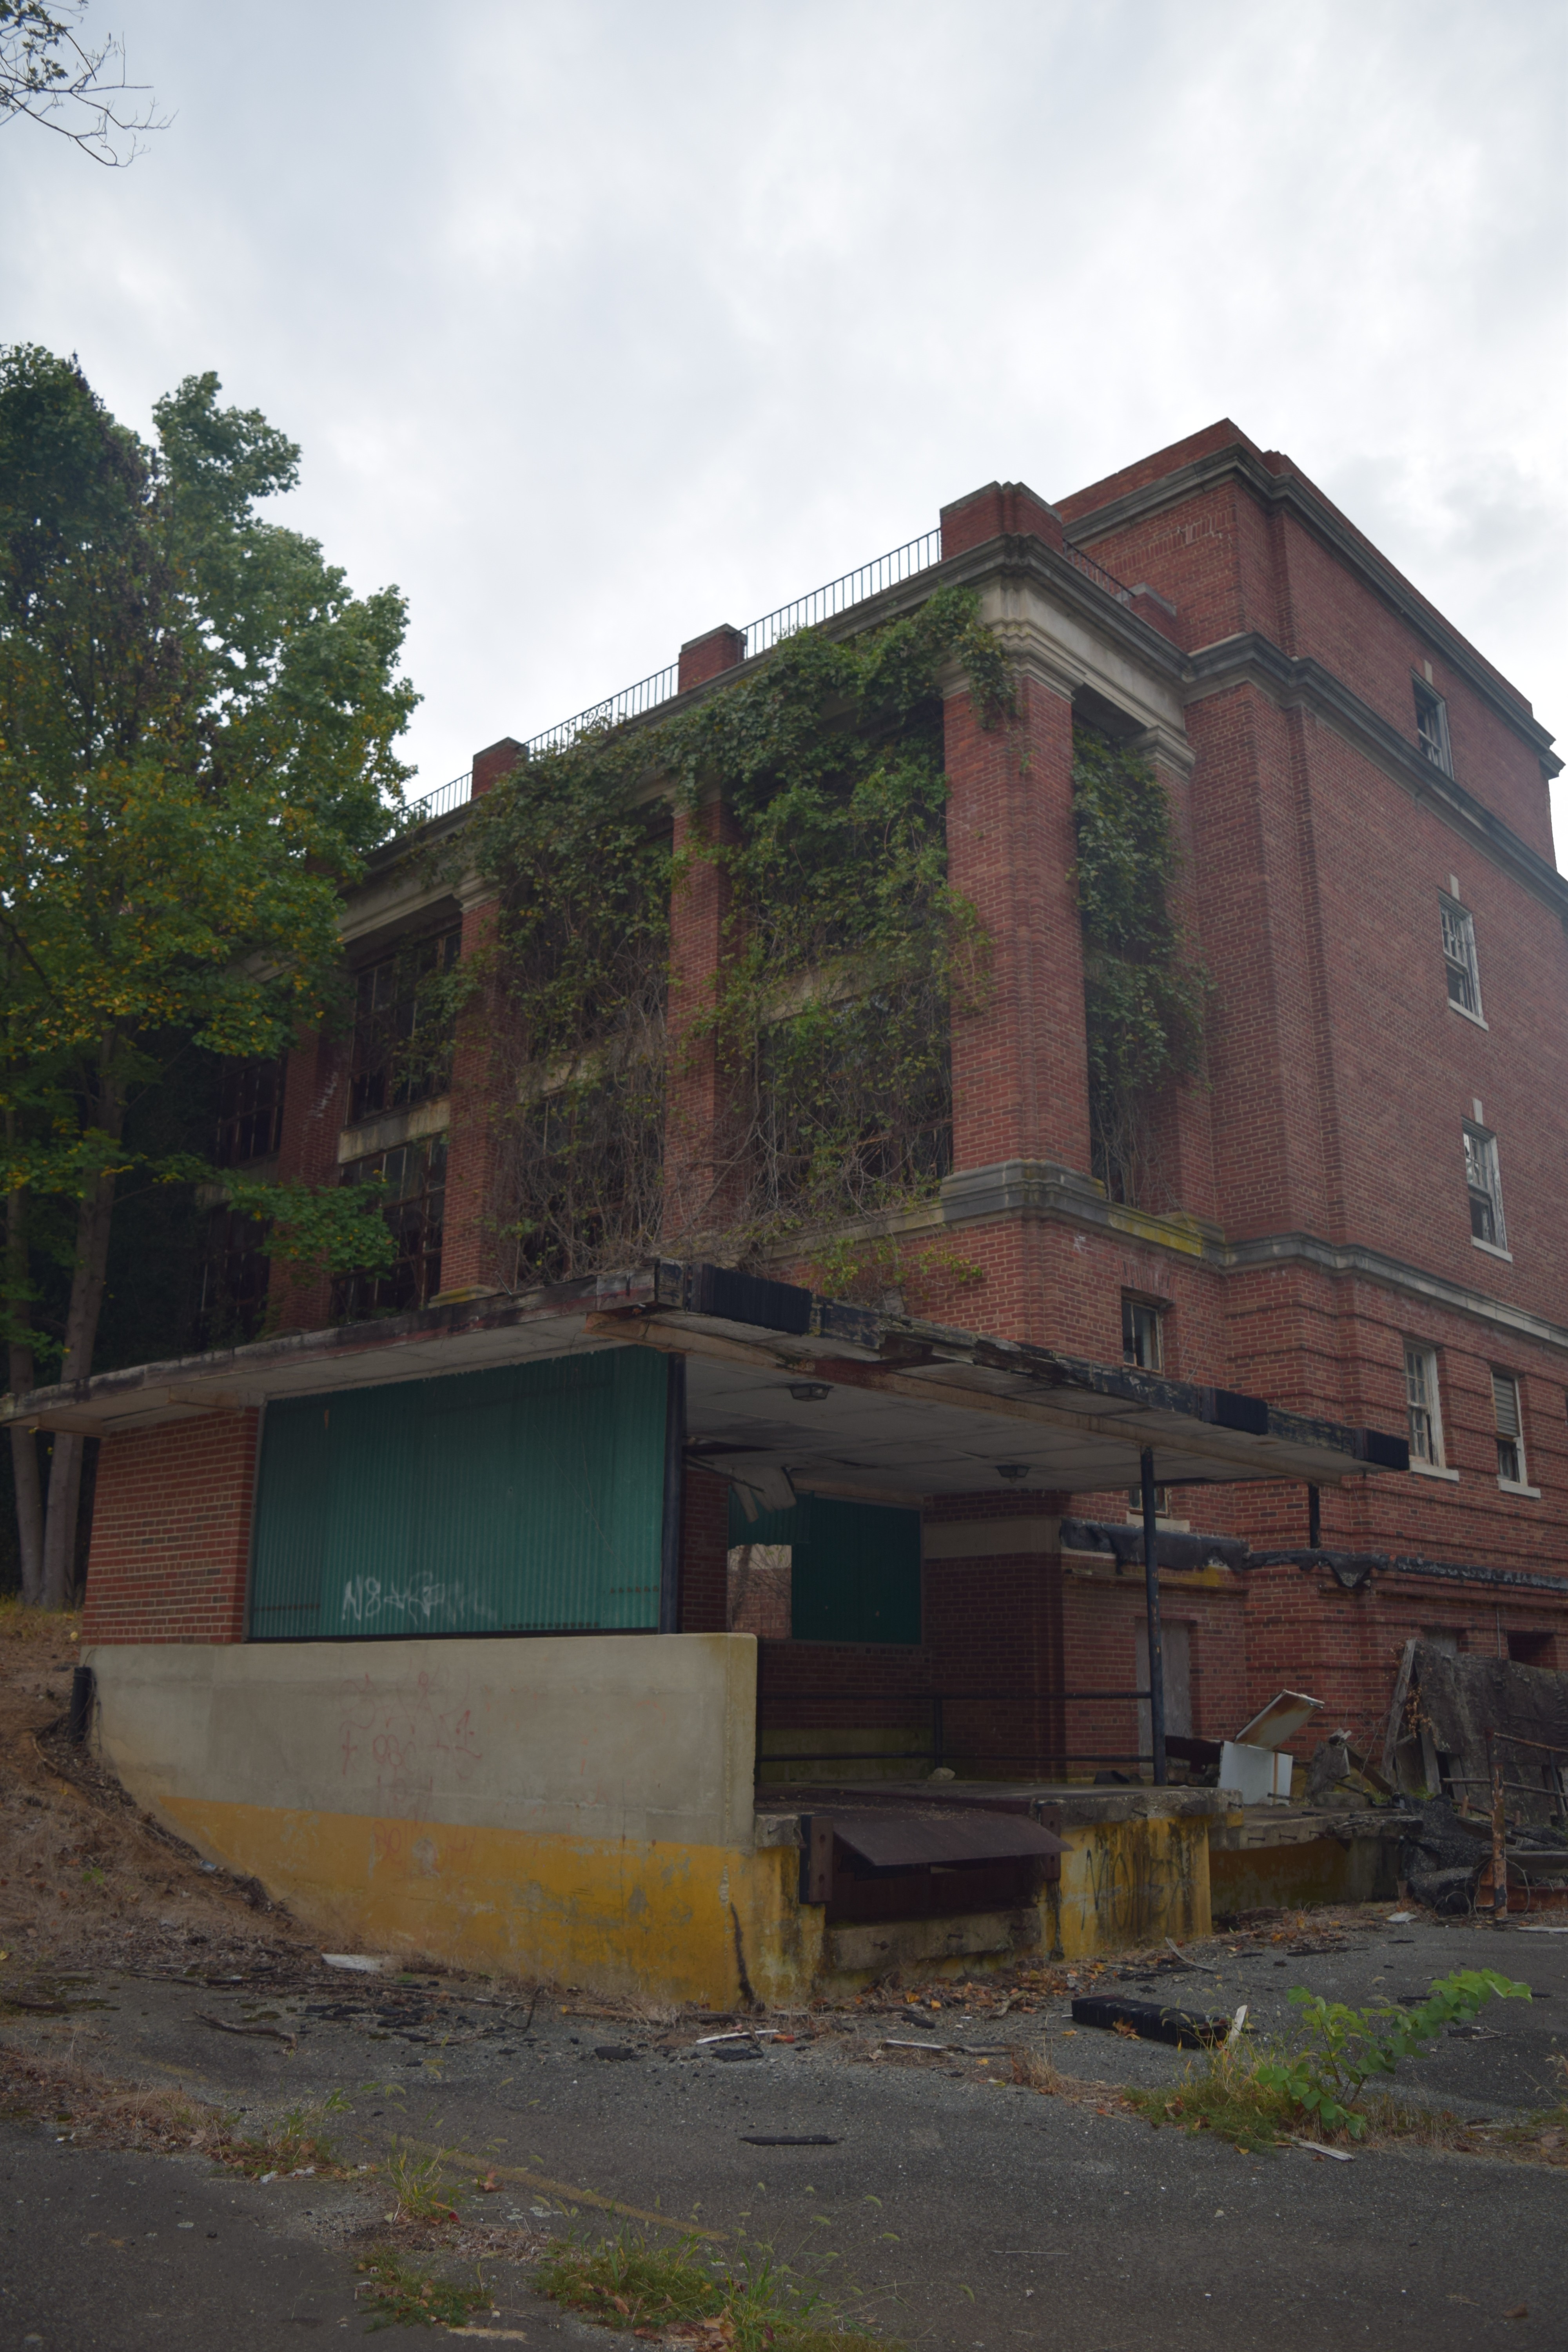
x: 403, y: 1039
x: 760, y: 1598
x: 1432, y: 728
x: 415, y: 1176
x: 1459, y: 958
x: 1510, y: 1430
x: 1485, y: 1187
x: 231, y: 1291
x: 251, y: 1112
x: 1422, y: 1404
x: 1142, y: 1337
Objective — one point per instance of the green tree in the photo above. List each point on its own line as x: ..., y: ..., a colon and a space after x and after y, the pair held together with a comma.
x: 196, y: 731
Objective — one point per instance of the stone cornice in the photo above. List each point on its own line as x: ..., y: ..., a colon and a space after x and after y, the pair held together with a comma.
x: 1032, y: 1188
x: 1306, y: 685
x: 1290, y: 493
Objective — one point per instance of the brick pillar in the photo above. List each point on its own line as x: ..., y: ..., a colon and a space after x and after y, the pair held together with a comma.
x: 1000, y: 509
x: 704, y: 1553
x: 702, y: 1181
x: 1183, y: 1141
x: 1020, y: 1085
x: 315, y: 1106
x: 491, y: 765
x: 474, y: 1261
x: 470, y: 1250
x: 171, y: 1532
x: 708, y: 656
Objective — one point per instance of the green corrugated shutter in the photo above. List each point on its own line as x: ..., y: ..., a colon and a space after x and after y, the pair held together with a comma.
x: 855, y: 1568
x: 527, y: 1499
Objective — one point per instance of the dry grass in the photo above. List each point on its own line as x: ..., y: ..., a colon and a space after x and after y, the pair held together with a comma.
x: 1038, y: 2070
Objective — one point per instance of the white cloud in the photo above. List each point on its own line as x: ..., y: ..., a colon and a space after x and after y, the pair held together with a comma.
x: 601, y: 325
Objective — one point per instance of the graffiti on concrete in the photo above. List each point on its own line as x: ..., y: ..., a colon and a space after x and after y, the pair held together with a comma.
x: 405, y: 1740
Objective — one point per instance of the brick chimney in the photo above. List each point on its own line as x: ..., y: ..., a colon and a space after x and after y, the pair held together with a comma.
x: 491, y: 765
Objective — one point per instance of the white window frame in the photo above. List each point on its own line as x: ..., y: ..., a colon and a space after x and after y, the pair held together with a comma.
x: 1483, y: 1182
x: 1423, y: 1404
x: 1432, y: 727
x: 1460, y: 963
x: 1508, y: 1415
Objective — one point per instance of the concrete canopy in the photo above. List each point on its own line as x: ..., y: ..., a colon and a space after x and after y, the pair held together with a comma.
x: 911, y: 1409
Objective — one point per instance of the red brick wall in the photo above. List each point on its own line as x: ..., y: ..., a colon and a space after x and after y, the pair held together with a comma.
x: 171, y: 1532
x: 704, y: 1552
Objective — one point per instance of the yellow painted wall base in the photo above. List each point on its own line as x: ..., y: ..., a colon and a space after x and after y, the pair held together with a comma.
x: 574, y: 1810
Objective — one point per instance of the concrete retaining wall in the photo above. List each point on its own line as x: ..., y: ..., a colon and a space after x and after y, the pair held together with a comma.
x: 574, y: 1808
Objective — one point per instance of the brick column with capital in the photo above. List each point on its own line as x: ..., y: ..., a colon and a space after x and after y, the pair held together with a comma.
x: 702, y: 1179
x: 1020, y: 1079
x: 474, y: 1258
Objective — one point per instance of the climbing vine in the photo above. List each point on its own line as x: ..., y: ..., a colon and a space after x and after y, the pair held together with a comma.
x: 844, y: 953
x: 1143, y: 993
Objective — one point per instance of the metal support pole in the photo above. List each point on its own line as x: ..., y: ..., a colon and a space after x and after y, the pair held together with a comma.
x: 1152, y: 1602
x: 1314, y: 1518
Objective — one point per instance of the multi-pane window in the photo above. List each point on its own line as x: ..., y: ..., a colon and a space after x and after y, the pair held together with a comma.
x: 415, y: 1179
x: 401, y: 1042
x: 1459, y: 958
x: 1432, y: 728
x: 232, y: 1280
x: 1485, y: 1187
x: 1142, y: 1339
x: 1510, y: 1428
x: 1423, y: 1406
x: 251, y: 1112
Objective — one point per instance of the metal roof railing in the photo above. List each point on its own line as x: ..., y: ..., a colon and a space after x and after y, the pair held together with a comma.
x: 824, y: 603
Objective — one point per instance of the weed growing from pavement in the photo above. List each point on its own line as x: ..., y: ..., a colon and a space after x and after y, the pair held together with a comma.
x: 751, y: 2303
x: 1256, y: 2097
x: 397, y: 2295
x: 299, y: 2144
x: 420, y: 2187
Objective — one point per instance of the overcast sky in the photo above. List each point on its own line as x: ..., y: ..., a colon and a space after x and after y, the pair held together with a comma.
x: 602, y: 323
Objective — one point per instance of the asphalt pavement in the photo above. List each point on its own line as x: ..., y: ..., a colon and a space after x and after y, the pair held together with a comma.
x: 949, y: 2210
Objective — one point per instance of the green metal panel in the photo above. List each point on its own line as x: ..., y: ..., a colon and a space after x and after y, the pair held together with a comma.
x: 855, y: 1568
x: 527, y: 1499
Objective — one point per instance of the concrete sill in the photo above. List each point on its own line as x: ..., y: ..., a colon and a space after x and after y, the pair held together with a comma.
x: 1492, y: 1249
x: 1530, y: 1494
x: 1431, y: 1470
x: 1466, y: 1014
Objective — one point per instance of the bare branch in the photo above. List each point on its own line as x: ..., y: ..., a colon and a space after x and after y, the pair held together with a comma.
x: 68, y: 86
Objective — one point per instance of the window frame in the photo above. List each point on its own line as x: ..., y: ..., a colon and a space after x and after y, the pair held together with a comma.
x: 1434, y: 1464
x: 1432, y: 737
x: 1516, y: 1482
x: 1465, y: 965
x: 1480, y: 1148
x: 1132, y: 1306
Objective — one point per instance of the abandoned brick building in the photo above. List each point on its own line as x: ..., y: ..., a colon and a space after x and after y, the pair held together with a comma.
x: 1360, y: 1220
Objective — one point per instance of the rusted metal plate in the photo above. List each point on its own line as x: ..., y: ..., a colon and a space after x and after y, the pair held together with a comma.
x: 921, y: 1837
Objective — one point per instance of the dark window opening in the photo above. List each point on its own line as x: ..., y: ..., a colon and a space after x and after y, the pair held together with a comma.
x: 402, y: 1041
x: 1143, y: 1335
x: 251, y: 1112
x: 414, y: 1178
x: 1531, y: 1649
x: 231, y: 1302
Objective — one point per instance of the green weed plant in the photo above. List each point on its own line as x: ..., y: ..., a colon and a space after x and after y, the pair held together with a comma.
x: 753, y: 2303
x: 1257, y: 2097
